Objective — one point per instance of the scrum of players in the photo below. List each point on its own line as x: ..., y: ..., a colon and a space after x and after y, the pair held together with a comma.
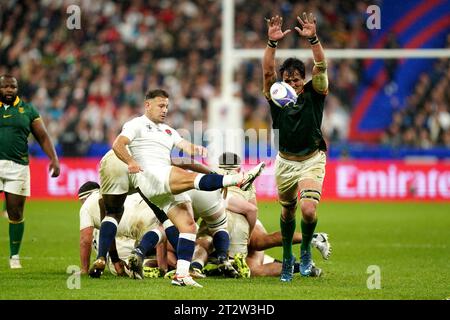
x: 230, y: 239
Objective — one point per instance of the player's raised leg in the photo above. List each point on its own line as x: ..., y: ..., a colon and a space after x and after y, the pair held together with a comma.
x: 181, y: 180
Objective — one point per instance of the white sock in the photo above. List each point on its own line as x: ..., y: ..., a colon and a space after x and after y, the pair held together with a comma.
x: 183, y: 267
x: 167, y: 224
x: 232, y: 179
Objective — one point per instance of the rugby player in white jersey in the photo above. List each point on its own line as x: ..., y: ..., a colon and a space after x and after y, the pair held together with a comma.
x: 145, y: 145
x: 138, y: 225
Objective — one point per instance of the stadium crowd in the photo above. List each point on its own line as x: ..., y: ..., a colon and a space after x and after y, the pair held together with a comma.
x: 86, y: 83
x: 425, y: 121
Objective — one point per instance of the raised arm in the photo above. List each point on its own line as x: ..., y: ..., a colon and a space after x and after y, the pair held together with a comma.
x: 274, y: 34
x: 319, y: 73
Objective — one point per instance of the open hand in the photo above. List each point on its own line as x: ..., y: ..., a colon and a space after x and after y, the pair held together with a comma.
x: 307, y: 25
x: 274, y: 32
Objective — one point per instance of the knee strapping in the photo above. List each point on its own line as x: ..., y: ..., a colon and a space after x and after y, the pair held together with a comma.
x: 313, y: 195
x: 289, y: 204
x: 16, y: 221
x: 220, y: 223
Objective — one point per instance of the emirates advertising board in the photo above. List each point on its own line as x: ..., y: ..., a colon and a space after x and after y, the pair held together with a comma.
x: 344, y: 180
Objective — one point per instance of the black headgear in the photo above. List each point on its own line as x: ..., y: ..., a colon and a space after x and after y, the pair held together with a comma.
x: 87, y: 188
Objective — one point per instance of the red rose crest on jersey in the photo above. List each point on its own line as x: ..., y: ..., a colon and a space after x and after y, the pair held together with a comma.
x: 169, y: 132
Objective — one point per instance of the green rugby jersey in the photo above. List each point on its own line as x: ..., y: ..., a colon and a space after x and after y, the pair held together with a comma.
x: 15, y: 127
x: 298, y: 126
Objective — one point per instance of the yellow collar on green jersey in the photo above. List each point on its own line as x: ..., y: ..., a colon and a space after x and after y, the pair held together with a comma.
x: 16, y: 102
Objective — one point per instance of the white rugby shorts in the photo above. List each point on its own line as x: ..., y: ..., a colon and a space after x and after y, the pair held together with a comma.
x: 154, y: 184
x: 14, y: 178
x: 289, y: 173
x: 205, y: 203
x: 114, y: 176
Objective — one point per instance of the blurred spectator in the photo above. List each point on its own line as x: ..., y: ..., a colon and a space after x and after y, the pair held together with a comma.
x: 425, y: 121
x: 336, y: 120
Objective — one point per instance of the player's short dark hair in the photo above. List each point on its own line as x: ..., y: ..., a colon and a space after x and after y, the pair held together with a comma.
x: 156, y: 93
x: 7, y: 76
x: 229, y: 160
x: 87, y: 188
x: 290, y: 65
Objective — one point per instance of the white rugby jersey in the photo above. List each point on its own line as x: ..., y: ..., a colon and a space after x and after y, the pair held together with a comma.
x: 137, y: 217
x: 151, y: 144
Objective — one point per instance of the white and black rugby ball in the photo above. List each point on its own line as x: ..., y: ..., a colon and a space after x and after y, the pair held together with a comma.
x: 282, y: 94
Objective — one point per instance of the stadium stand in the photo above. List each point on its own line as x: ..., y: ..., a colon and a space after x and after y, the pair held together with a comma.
x: 86, y: 83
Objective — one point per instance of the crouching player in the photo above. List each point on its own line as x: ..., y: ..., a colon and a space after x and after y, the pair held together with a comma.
x: 138, y: 224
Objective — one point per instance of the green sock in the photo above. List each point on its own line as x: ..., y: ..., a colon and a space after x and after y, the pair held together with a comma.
x: 287, y: 234
x: 15, y: 236
x: 307, y: 234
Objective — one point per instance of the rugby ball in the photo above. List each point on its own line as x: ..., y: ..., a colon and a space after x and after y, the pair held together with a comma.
x: 282, y: 94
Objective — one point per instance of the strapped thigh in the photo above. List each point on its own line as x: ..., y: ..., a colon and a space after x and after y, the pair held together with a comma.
x: 289, y: 204
x: 308, y: 194
x: 219, y: 223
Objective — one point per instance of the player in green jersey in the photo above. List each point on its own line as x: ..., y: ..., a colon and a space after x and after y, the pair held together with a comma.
x: 300, y: 163
x: 17, y: 120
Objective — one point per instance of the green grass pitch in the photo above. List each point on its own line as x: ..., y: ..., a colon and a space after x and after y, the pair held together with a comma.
x: 408, y: 242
